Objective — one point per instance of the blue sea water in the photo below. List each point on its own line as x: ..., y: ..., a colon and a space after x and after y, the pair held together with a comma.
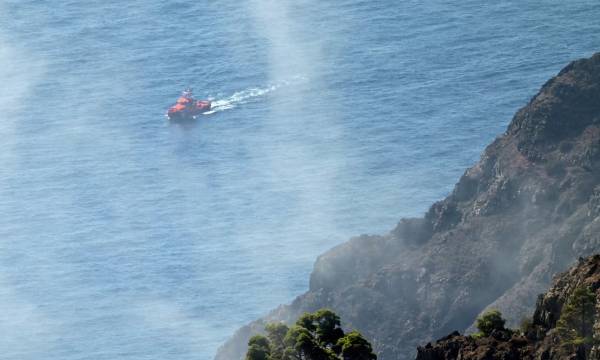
x: 125, y: 237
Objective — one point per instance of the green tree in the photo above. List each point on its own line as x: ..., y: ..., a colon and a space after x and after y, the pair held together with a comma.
x: 276, y: 334
x: 355, y: 347
x: 304, y: 345
x: 307, y: 321
x: 490, y: 320
x: 258, y: 348
x: 576, y: 322
x: 315, y: 336
x: 328, y: 328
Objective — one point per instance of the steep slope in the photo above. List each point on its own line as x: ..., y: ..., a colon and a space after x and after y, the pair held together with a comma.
x: 525, y: 211
x: 541, y: 339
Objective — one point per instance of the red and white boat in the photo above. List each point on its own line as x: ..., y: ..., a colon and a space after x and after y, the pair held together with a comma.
x: 187, y: 107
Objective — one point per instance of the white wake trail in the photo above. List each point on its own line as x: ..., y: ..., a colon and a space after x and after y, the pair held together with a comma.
x: 245, y: 96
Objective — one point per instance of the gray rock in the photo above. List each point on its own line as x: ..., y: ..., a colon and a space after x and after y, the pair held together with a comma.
x: 527, y: 210
x: 540, y: 339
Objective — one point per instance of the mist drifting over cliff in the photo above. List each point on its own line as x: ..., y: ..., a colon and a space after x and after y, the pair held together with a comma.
x: 125, y: 236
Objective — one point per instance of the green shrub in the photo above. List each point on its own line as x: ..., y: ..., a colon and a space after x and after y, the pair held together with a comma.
x: 490, y: 320
x: 477, y: 335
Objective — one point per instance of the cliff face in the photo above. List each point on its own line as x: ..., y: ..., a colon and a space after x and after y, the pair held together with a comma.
x: 541, y: 340
x: 526, y: 210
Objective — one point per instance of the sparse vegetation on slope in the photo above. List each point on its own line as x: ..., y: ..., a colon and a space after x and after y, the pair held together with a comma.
x: 565, y: 325
x: 315, y: 336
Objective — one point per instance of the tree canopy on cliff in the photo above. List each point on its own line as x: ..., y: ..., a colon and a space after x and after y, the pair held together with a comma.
x: 315, y: 336
x: 576, y: 322
x: 490, y: 321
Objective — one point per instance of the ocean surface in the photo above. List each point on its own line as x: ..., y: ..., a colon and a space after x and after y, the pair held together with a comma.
x: 125, y: 237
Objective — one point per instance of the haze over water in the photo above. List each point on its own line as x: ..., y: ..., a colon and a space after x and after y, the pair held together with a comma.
x: 125, y: 237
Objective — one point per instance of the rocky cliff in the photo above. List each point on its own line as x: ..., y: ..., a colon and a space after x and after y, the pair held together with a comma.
x: 527, y: 210
x: 541, y: 339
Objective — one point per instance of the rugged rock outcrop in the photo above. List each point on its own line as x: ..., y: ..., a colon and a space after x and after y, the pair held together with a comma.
x: 540, y: 339
x: 528, y: 209
x: 501, y: 346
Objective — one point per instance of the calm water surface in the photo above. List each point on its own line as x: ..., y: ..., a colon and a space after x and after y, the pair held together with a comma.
x: 125, y: 237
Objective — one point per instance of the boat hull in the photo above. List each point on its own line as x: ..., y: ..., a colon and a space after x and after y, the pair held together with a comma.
x: 176, y: 113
